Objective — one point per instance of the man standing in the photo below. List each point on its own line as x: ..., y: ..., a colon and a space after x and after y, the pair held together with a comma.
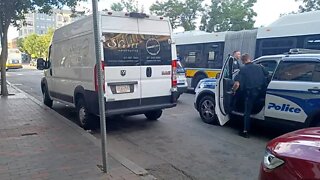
x: 251, y: 79
x: 236, y: 60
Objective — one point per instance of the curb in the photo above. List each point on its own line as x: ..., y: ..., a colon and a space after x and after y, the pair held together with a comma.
x: 136, y: 169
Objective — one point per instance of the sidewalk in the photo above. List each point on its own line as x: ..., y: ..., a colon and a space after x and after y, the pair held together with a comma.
x: 37, y: 143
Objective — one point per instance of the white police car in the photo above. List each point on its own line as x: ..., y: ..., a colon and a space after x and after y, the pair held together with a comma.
x: 292, y: 94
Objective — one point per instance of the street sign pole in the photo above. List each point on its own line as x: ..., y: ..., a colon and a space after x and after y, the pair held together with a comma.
x: 97, y: 41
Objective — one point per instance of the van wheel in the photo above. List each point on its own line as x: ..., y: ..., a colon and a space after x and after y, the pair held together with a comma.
x: 84, y: 118
x: 178, y: 96
x: 153, y: 115
x: 207, y: 110
x: 46, y: 98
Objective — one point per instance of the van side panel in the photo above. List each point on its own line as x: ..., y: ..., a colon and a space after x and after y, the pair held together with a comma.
x: 72, y: 60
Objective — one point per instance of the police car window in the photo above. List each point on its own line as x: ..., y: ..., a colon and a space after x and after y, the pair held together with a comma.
x: 316, y: 73
x: 270, y: 66
x: 295, y: 71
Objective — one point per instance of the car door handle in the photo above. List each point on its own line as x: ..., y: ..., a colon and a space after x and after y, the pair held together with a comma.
x: 314, y: 90
x: 148, y: 72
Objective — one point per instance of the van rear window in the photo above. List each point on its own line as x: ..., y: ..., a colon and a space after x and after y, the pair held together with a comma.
x: 121, y: 49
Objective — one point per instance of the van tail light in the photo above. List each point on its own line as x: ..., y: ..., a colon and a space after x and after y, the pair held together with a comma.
x: 96, y: 87
x: 174, y: 74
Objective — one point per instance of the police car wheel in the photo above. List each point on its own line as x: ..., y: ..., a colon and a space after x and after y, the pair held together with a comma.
x: 207, y: 110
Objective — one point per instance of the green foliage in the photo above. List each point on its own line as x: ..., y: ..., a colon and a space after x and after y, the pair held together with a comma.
x: 228, y: 15
x: 37, y: 45
x: 117, y: 6
x: 20, y: 44
x: 309, y: 5
x: 181, y: 13
x: 126, y: 5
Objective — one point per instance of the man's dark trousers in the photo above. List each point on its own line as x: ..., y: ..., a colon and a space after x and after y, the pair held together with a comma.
x: 251, y: 95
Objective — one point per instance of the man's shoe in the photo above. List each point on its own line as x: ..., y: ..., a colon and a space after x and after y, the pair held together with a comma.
x: 244, y: 134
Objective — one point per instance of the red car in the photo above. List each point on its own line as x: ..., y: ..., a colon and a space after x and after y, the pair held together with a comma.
x: 295, y: 155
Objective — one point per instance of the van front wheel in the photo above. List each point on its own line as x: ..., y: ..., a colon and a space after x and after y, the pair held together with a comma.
x: 153, y: 115
x: 46, y: 98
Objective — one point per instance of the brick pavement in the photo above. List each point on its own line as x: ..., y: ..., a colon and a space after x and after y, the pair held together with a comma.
x: 36, y: 144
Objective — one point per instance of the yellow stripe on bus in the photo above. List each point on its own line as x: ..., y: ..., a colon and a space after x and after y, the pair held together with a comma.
x: 210, y: 73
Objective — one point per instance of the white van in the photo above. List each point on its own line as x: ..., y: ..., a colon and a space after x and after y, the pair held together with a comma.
x: 139, y: 61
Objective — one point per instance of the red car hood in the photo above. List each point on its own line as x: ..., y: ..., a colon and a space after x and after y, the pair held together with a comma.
x: 302, y: 144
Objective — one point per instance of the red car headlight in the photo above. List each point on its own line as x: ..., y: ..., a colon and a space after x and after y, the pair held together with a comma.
x: 270, y: 161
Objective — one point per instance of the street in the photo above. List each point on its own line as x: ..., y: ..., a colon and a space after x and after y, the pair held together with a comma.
x: 179, y: 145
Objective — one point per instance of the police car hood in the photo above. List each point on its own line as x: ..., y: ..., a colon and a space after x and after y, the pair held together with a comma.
x: 301, y: 144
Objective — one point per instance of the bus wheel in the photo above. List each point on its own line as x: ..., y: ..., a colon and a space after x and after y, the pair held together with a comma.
x: 197, y: 79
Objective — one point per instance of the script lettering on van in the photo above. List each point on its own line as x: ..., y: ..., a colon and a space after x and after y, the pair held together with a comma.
x: 123, y: 49
x: 284, y: 108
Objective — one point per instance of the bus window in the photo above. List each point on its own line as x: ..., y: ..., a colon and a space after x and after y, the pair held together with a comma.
x: 276, y: 46
x: 312, y: 42
x: 191, y: 58
x: 211, y: 56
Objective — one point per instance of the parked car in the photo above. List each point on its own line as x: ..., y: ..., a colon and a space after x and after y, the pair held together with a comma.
x: 292, y: 95
x: 138, y: 60
x: 182, y: 84
x: 295, y: 155
x: 14, y: 60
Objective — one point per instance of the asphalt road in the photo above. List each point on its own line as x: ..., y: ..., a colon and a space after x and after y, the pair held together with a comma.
x: 179, y: 145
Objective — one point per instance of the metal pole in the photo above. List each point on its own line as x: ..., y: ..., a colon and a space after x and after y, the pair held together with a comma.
x: 97, y: 41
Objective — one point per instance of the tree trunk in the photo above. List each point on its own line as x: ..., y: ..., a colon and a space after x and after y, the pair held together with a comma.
x: 3, y: 60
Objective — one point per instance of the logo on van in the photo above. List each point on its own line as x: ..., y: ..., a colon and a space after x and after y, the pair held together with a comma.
x: 123, y: 72
x: 153, y: 46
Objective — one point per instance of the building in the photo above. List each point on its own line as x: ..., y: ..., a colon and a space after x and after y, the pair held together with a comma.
x: 13, y: 43
x: 39, y: 23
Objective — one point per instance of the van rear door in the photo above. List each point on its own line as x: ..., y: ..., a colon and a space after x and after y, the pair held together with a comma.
x: 156, y: 60
x: 122, y: 61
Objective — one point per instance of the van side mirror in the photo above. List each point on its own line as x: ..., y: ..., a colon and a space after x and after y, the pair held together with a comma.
x: 41, y: 64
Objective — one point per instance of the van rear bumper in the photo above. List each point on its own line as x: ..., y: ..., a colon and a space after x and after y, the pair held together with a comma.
x: 139, y: 109
x: 132, y: 106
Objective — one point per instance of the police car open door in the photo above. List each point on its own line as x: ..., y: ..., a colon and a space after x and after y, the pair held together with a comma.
x: 223, y: 97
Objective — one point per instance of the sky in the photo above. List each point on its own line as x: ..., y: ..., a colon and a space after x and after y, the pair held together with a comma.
x: 267, y: 10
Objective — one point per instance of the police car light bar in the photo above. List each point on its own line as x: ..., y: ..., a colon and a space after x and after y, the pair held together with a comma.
x: 304, y: 51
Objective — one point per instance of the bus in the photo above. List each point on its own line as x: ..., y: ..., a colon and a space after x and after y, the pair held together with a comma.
x: 202, y: 54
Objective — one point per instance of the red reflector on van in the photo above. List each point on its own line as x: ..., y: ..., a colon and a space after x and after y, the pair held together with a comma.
x: 174, y: 73
x: 96, y: 85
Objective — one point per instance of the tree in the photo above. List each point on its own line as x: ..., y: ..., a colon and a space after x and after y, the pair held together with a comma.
x: 181, y: 13
x: 12, y: 12
x: 309, y: 5
x: 117, y: 6
x: 126, y: 5
x: 228, y: 15
x: 37, y: 45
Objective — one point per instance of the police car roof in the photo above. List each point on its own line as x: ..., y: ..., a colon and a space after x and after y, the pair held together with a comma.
x: 291, y: 57
x: 302, y: 57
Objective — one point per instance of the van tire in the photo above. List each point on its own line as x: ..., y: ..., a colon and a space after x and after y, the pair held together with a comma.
x: 46, y: 98
x: 207, y: 110
x: 153, y: 115
x: 84, y: 118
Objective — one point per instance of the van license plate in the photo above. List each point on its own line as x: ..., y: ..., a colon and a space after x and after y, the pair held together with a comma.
x: 122, y: 89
